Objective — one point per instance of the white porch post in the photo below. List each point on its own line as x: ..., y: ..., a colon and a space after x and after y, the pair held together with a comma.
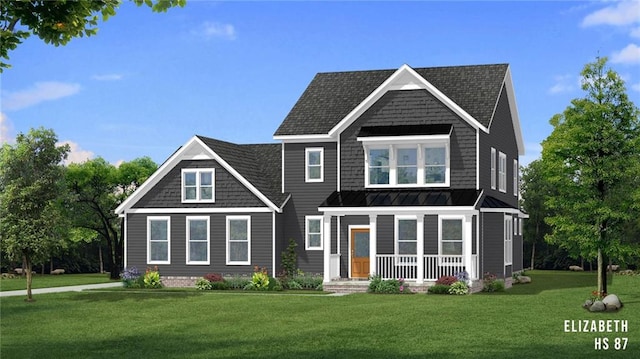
x: 420, y: 249
x: 467, y: 248
x: 373, y: 243
x: 326, y: 245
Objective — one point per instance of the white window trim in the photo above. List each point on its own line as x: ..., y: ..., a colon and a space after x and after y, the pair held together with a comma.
x: 306, y: 233
x: 446, y: 261
x: 188, y: 239
x: 306, y: 164
x: 502, y: 172
x: 493, y: 168
x: 393, y: 162
x: 198, y: 171
x: 159, y: 218
x: 228, y: 236
x: 396, y: 241
x: 508, y: 240
x: 516, y: 176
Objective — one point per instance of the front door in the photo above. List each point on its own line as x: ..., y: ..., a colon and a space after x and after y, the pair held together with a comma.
x: 359, y: 253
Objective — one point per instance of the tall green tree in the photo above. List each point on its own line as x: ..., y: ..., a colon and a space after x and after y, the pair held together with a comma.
x: 535, y: 192
x: 57, y: 22
x: 592, y: 160
x: 99, y: 187
x: 32, y: 194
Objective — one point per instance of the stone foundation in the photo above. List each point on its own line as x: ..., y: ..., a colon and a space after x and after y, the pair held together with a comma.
x: 180, y: 282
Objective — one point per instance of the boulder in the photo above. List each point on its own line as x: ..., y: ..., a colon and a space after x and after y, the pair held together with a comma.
x: 57, y: 271
x: 576, y: 268
x: 613, y: 267
x: 524, y: 279
x: 597, y: 306
x: 587, y: 304
x: 612, y: 302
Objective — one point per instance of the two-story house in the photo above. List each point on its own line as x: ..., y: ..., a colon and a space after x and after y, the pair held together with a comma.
x: 407, y: 173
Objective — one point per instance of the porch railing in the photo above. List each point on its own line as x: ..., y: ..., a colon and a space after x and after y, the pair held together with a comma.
x: 390, y: 266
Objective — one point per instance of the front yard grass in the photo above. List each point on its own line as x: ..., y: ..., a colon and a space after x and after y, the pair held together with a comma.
x: 48, y: 281
x: 526, y: 321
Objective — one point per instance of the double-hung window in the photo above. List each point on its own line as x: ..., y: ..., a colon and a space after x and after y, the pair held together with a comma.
x: 516, y: 183
x: 451, y: 235
x: 158, y: 240
x: 407, y: 165
x: 198, y: 185
x: 435, y: 164
x: 313, y: 233
x: 314, y: 158
x: 493, y: 168
x: 508, y: 240
x: 406, y: 239
x: 379, y: 166
x: 198, y: 240
x: 238, y: 240
x: 502, y: 172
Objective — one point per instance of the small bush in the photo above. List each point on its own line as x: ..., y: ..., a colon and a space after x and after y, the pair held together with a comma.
x: 214, y: 277
x: 438, y: 289
x: 459, y: 288
x: 224, y: 285
x: 293, y: 284
x: 490, y: 283
x: 237, y: 282
x: 390, y: 286
x: 303, y: 281
x: 131, y: 278
x: 447, y: 280
x: 152, y: 278
x: 203, y: 284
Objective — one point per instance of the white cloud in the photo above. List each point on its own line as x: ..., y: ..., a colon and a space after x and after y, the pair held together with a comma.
x: 77, y: 154
x: 618, y: 14
x: 563, y: 84
x: 108, y: 77
x: 6, y: 130
x: 628, y: 55
x: 210, y: 30
x: 39, y: 92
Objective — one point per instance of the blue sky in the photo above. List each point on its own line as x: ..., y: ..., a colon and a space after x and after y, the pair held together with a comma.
x: 232, y: 70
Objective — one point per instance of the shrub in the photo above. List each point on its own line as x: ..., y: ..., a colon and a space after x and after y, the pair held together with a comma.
x: 490, y: 283
x: 237, y: 282
x: 152, y: 278
x: 462, y: 276
x: 293, y: 284
x: 290, y: 259
x: 439, y: 289
x: 223, y: 285
x: 447, y: 280
x: 203, y: 284
x: 274, y: 284
x: 306, y: 281
x: 390, y: 286
x: 459, y: 288
x: 131, y: 278
x: 214, y: 277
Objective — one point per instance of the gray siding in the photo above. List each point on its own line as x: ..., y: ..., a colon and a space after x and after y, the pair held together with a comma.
x: 501, y: 137
x: 431, y: 234
x: 412, y: 107
x: 261, y: 245
x: 306, y: 198
x: 492, y: 245
x: 229, y: 192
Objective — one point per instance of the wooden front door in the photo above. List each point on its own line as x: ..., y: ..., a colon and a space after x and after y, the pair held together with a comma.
x: 360, y: 253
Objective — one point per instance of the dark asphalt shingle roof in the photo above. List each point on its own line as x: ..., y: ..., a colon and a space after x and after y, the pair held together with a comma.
x: 492, y: 202
x: 332, y: 95
x: 260, y: 164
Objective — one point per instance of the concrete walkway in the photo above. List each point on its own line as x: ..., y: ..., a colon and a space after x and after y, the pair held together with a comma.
x: 72, y: 288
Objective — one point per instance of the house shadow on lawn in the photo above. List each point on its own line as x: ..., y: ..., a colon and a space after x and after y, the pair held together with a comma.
x: 121, y: 295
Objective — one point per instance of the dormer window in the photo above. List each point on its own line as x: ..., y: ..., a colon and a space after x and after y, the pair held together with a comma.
x: 197, y: 185
x: 406, y: 156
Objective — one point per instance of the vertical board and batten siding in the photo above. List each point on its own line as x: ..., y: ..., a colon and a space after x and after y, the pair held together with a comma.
x: 305, y: 199
x: 261, y: 245
x: 409, y: 107
x: 228, y: 191
x: 501, y: 137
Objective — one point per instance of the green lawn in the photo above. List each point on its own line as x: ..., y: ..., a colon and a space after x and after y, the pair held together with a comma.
x: 48, y: 281
x: 525, y: 322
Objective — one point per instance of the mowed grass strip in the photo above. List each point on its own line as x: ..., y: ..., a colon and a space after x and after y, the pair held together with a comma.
x: 49, y: 281
x: 527, y: 322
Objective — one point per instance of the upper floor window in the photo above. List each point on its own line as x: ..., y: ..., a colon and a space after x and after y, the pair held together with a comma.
x: 516, y: 183
x: 493, y: 168
x: 197, y: 185
x: 502, y: 172
x: 420, y: 165
x: 314, y: 169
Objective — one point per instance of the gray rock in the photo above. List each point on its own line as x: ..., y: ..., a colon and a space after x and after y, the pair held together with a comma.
x: 597, y: 306
x: 587, y: 304
x: 576, y: 268
x: 612, y: 302
x: 524, y: 279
